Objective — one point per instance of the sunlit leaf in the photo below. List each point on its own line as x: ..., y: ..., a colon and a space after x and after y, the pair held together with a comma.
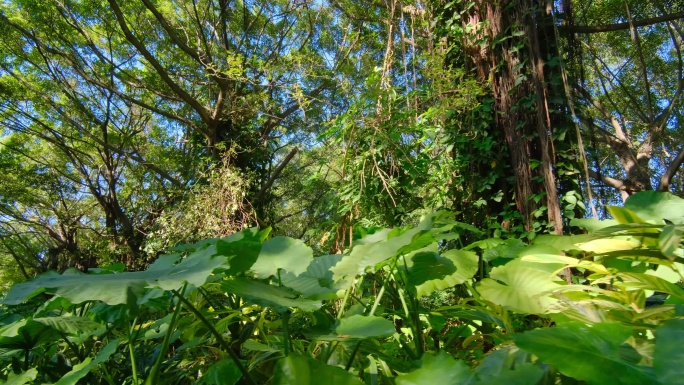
x: 305, y: 371
x: 263, y: 294
x: 438, y: 369
x: 596, y: 354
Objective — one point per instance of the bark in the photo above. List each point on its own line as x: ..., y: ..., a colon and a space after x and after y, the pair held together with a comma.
x: 504, y: 64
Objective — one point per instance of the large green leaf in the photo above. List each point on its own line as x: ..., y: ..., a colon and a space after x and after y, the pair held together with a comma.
x: 360, y: 327
x: 81, y: 370
x: 466, y: 265
x: 427, y: 265
x: 293, y: 369
x: 670, y: 240
x: 669, y: 355
x: 655, y: 206
x: 520, y: 286
x: 224, y: 372
x: 509, y: 366
x: 284, y: 253
x: 22, y: 378
x: 123, y: 288
x: 279, y: 298
x: 367, y: 254
x: 438, y: 369
x: 597, y: 354
x: 316, y: 282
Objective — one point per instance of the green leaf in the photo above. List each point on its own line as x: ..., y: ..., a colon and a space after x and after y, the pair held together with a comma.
x: 316, y: 282
x: 123, y: 288
x: 284, y: 253
x: 427, y: 265
x: 438, y: 369
x: 466, y: 265
x: 624, y: 215
x: 669, y: 240
x: 596, y: 354
x: 81, y: 370
x: 520, y: 286
x: 655, y: 206
x: 266, y: 295
x: 669, y: 355
x: 22, y: 378
x: 509, y: 366
x: 368, y: 254
x: 305, y: 371
x: 360, y: 327
x: 224, y: 372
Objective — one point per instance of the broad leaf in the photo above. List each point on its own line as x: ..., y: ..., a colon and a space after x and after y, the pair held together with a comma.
x: 655, y: 206
x: 305, y: 371
x: 316, y: 282
x: 368, y: 254
x: 439, y: 369
x: 520, y: 286
x: 669, y: 355
x: 22, y: 378
x: 224, y: 372
x: 598, y: 354
x: 670, y: 240
x: 466, y: 265
x: 266, y: 295
x: 81, y: 370
x: 123, y: 288
x: 360, y: 327
x: 284, y: 253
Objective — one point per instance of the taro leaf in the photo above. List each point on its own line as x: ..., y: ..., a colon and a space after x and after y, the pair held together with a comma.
x: 624, y: 215
x: 508, y: 366
x: 670, y: 240
x: 655, y: 206
x: 316, y: 282
x: 122, y: 288
x: 439, y: 369
x: 81, y: 370
x: 306, y: 371
x: 649, y: 282
x: 282, y: 253
x: 22, y: 378
x: 367, y: 254
x: 28, y: 333
x: 266, y: 295
x: 427, y: 266
x: 510, y: 249
x: 597, y: 354
x: 592, y: 224
x: 520, y: 286
x: 224, y: 372
x: 360, y: 327
x: 466, y: 264
x: 668, y: 356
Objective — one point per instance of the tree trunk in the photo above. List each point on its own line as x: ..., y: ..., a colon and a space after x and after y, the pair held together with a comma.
x: 512, y: 61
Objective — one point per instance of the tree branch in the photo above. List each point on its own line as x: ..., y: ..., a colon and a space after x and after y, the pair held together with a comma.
x: 671, y: 171
x: 587, y: 29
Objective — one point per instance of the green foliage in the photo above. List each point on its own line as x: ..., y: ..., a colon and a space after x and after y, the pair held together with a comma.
x: 356, y: 317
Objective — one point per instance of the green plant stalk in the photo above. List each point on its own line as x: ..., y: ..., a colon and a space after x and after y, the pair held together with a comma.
x: 377, y: 299
x: 286, y: 332
x: 131, y: 352
x: 344, y: 300
x: 353, y: 355
x: 219, y: 338
x: 154, y: 372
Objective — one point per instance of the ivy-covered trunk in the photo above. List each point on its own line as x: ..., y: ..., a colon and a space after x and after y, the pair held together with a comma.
x: 505, y: 44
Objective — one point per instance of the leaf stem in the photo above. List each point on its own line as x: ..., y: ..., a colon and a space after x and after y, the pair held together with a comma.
x: 154, y: 372
x: 218, y: 337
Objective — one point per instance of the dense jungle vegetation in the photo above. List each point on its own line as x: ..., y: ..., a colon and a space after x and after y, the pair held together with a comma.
x: 410, y: 192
